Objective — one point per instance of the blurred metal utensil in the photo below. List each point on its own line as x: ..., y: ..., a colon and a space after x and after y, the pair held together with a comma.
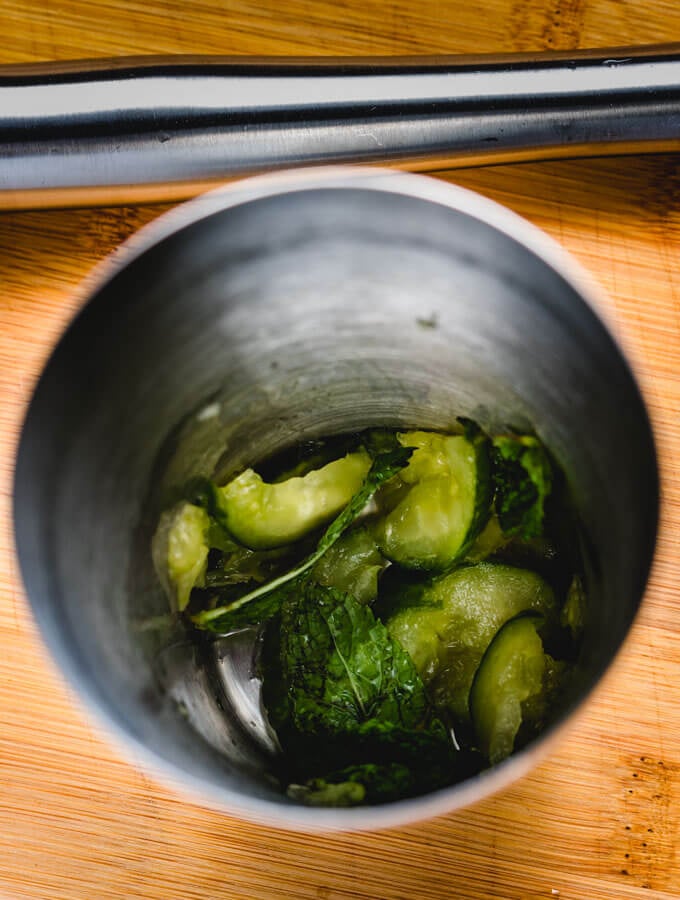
x: 163, y: 128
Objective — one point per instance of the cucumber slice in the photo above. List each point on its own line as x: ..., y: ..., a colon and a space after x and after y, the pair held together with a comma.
x: 352, y: 565
x: 452, y: 621
x: 421, y: 632
x: 434, y: 510
x: 180, y: 551
x: 264, y: 516
x: 510, y: 674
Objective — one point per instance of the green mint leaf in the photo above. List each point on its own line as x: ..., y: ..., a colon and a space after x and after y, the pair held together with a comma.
x: 523, y: 479
x: 349, y: 708
x: 384, y: 467
x: 252, y: 614
x: 342, y: 668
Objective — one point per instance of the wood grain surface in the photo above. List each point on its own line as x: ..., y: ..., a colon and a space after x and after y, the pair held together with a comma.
x: 601, y: 817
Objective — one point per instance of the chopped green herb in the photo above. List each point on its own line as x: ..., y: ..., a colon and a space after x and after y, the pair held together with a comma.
x: 523, y: 479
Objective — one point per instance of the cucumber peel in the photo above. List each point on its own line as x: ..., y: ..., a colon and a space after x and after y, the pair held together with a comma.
x: 511, y: 673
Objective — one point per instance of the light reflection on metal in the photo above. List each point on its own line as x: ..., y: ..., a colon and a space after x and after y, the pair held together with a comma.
x: 164, y: 128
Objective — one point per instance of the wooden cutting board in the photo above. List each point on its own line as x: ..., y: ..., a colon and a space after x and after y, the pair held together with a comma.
x: 601, y: 817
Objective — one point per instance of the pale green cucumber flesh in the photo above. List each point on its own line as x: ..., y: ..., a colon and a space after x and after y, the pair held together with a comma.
x: 510, y: 673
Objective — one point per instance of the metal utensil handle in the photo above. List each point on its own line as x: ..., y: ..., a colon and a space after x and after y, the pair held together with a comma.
x: 156, y: 128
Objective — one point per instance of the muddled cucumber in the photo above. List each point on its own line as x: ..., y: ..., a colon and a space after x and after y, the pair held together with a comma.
x: 454, y: 619
x: 264, y: 516
x: 352, y: 565
x: 510, y: 676
x: 433, y: 511
x: 180, y: 551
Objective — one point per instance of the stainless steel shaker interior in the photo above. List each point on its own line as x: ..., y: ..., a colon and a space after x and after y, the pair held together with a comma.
x: 289, y: 309
x: 162, y: 128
